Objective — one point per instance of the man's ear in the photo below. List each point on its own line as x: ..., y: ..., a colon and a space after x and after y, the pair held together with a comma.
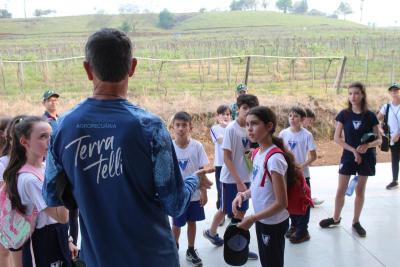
x: 88, y: 70
x: 133, y: 67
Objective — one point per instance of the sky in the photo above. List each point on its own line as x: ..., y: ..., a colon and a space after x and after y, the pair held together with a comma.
x: 381, y: 12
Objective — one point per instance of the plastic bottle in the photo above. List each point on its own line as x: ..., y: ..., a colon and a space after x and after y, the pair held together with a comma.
x: 352, y: 185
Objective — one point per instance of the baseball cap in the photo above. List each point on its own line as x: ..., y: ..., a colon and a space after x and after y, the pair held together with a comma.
x: 394, y: 86
x: 368, y: 138
x: 49, y: 93
x: 236, y: 245
x: 241, y: 87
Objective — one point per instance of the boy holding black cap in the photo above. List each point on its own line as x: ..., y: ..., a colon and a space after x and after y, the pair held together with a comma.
x: 393, y: 110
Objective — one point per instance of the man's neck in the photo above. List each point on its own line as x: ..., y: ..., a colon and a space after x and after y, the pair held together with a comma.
x: 241, y: 122
x: 109, y: 90
x: 295, y: 129
x: 52, y: 113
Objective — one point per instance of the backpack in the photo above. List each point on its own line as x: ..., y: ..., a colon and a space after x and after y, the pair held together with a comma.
x: 299, y: 194
x: 386, y: 130
x: 16, y: 228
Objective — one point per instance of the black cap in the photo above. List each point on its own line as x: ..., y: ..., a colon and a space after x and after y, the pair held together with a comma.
x: 236, y: 245
x: 394, y: 86
x: 49, y: 93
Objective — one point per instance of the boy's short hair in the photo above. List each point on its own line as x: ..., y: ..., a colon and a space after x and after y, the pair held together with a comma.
x: 249, y: 100
x: 298, y: 110
x: 222, y: 109
x: 182, y: 116
x: 310, y: 113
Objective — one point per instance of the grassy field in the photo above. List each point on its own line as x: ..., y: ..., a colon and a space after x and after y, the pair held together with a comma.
x: 201, y: 85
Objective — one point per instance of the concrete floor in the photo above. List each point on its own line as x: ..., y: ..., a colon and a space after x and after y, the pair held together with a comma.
x: 328, y: 247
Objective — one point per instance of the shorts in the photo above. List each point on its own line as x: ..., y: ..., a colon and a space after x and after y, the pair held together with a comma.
x: 350, y: 167
x: 193, y: 213
x: 50, y: 245
x: 229, y: 192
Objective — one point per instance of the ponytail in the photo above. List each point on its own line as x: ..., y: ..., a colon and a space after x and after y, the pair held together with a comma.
x: 22, y: 128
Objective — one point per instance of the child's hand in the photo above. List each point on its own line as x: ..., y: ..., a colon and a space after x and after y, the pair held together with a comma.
x: 237, y: 202
x: 73, y: 249
x: 204, y: 182
x: 357, y: 157
x: 362, y: 148
x: 203, y: 198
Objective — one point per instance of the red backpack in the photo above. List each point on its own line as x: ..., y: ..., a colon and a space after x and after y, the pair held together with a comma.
x: 299, y: 194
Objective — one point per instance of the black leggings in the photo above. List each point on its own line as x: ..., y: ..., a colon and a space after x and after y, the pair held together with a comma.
x: 395, y: 156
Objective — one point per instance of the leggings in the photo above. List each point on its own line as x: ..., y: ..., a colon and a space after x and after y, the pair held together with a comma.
x: 395, y: 156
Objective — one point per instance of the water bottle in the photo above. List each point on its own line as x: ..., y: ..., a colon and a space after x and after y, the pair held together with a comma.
x: 352, y: 185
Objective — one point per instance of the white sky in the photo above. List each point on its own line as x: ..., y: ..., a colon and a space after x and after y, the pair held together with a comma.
x: 380, y: 12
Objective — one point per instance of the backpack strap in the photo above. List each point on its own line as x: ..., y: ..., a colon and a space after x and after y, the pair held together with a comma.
x: 273, y: 151
x: 27, y: 168
x: 254, y: 153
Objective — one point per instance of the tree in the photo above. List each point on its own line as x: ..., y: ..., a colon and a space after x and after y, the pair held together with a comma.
x: 5, y: 14
x: 236, y: 5
x: 43, y: 12
x: 202, y: 10
x: 315, y: 12
x: 166, y: 19
x: 128, y: 9
x: 284, y: 5
x: 300, y: 7
x: 344, y: 9
x: 264, y: 4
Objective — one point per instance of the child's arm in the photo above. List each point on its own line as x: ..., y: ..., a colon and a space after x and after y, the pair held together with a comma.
x: 280, y: 203
x: 312, y: 157
x: 241, y: 187
x: 339, y: 140
x: 60, y: 214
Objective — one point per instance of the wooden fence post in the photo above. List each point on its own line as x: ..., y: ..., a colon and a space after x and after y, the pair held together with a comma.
x: 2, y: 75
x: 246, y: 78
x: 339, y: 76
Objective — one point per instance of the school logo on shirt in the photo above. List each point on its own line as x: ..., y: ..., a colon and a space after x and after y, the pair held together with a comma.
x: 292, y: 144
x: 357, y: 124
x: 245, y: 142
x: 255, y: 171
x: 265, y: 239
x: 183, y: 163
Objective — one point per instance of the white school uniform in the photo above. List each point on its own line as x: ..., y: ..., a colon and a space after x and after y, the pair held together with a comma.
x: 393, y: 119
x: 191, y: 159
x: 217, y: 131
x: 263, y: 196
x: 300, y: 144
x: 236, y: 141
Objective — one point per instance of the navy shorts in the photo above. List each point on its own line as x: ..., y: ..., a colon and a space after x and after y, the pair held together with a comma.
x: 229, y: 192
x: 50, y: 245
x: 350, y: 167
x: 193, y: 213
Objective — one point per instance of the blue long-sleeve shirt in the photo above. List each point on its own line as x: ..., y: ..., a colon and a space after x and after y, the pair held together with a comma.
x: 126, y: 180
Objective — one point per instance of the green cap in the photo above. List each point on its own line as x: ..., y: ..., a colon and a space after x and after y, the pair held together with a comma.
x: 49, y: 93
x: 241, y: 87
x: 394, y: 86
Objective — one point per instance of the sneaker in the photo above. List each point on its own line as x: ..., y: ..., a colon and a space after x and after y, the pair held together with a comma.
x: 290, y: 232
x: 392, y: 185
x: 252, y: 256
x: 193, y: 258
x: 359, y: 229
x: 294, y: 239
x: 214, y: 239
x: 222, y: 222
x: 317, y: 201
x: 326, y: 223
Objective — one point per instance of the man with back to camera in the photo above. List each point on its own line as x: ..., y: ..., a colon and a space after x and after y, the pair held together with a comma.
x: 121, y: 165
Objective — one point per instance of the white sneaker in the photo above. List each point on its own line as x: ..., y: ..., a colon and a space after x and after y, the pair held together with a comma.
x: 317, y: 201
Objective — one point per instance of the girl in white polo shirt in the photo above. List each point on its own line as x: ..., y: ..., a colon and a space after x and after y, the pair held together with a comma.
x: 269, y: 195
